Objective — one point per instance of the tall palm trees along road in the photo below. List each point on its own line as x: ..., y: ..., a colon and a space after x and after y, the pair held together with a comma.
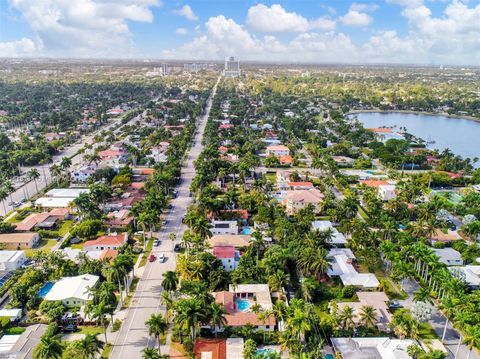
x: 134, y: 336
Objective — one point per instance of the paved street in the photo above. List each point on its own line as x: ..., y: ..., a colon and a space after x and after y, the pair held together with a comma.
x: 438, y: 324
x: 25, y: 191
x: 133, y: 336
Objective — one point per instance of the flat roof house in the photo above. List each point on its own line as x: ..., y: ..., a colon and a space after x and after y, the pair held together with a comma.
x: 277, y: 150
x: 375, y: 348
x: 224, y: 227
x: 11, y: 260
x: 73, y: 291
x: 233, y: 240
x: 15, y: 241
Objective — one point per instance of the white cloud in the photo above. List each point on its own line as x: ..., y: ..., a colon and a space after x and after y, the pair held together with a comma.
x: 22, y: 47
x: 84, y: 28
x: 181, y: 31
x: 187, y: 12
x: 364, y: 7
x: 275, y: 19
x: 322, y: 23
x: 356, y: 18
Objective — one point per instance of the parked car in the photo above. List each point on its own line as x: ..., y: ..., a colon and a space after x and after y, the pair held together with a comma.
x: 151, y: 258
x: 156, y: 242
x: 70, y: 328
x: 170, y: 206
x: 164, y: 222
x: 393, y: 304
x: 177, y: 248
x: 162, y: 258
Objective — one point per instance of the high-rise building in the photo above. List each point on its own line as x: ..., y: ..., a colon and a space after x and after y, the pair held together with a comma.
x: 232, y: 67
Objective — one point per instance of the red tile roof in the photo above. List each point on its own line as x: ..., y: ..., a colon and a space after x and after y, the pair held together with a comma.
x: 374, y: 183
x: 381, y: 130
x: 117, y: 241
x: 216, y: 347
x: 225, y: 299
x: 108, y: 254
x: 31, y: 221
x: 285, y: 160
x: 224, y: 252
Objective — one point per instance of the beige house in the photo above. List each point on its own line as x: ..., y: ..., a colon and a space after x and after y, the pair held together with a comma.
x: 16, y: 241
x: 299, y: 199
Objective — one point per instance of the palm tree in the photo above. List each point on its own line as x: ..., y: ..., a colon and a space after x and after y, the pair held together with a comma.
x: 170, y: 281
x: 368, y: 316
x: 33, y: 174
x: 189, y: 314
x: 472, y: 338
x: 217, y: 315
x: 88, y: 347
x: 201, y: 227
x: 150, y: 353
x: 157, y: 326
x: 55, y: 171
x: 3, y: 197
x: 49, y: 347
x: 115, y: 273
x: 98, y: 314
x: 346, y: 317
x: 299, y: 323
x: 65, y: 164
x: 448, y: 307
x: 8, y: 186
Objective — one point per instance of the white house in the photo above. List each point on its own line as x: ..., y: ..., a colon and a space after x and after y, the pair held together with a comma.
x: 82, y: 174
x: 228, y: 256
x: 342, y: 266
x: 387, y: 192
x: 224, y: 227
x: 449, y: 256
x: 11, y: 260
x: 471, y: 273
x: 338, y: 239
x: 378, y: 347
x: 277, y: 150
x: 73, y: 291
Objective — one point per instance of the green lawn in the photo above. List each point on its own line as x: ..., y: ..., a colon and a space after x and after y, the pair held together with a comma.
x: 65, y: 228
x: 89, y: 329
x: 272, y: 177
x: 106, y: 351
x: 45, y: 245
x: 426, y: 331
x: 143, y: 261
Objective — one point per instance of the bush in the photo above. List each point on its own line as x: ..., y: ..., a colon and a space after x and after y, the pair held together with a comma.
x: 14, y: 331
x: 4, y: 322
x: 349, y: 291
x: 53, y: 310
x: 87, y: 229
x: 438, y: 245
x: 116, y: 325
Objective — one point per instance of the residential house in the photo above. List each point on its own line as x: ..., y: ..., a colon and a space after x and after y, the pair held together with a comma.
x: 60, y: 197
x: 449, y: 256
x: 16, y: 241
x: 387, y: 192
x: 22, y: 346
x: 342, y: 266
x: 337, y: 238
x: 445, y: 237
x: 238, y: 302
x: 471, y: 273
x: 83, y: 174
x: 11, y: 260
x: 214, y: 348
x: 73, y: 291
x: 377, y: 347
x: 224, y: 227
x: 229, y: 240
x: 228, y: 256
x: 377, y: 300
x: 297, y: 200
x: 277, y: 150
x: 113, y: 241
x: 119, y: 219
x: 300, y: 185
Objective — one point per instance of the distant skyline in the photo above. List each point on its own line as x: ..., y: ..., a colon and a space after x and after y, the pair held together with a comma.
x: 428, y: 32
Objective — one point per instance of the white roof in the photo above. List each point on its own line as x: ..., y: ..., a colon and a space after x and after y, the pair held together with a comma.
x: 448, y: 254
x: 72, y: 253
x: 53, y: 202
x: 7, y: 342
x: 375, y: 348
x: 10, y: 256
x: 11, y: 313
x: 66, y: 192
x: 337, y: 237
x: 472, y: 274
x: 339, y: 251
x: 340, y: 266
x: 73, y: 287
x: 235, y: 348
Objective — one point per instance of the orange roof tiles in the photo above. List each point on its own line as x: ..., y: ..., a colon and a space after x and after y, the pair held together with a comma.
x: 374, y: 183
x: 217, y: 348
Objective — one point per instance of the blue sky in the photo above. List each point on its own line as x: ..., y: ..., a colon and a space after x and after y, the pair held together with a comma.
x: 385, y: 31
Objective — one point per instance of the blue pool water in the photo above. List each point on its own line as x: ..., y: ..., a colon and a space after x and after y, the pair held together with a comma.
x: 45, y: 289
x: 242, y: 305
x: 264, y: 352
x: 329, y: 356
x: 247, y: 230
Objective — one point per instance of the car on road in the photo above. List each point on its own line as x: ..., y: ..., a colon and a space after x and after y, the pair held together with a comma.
x: 393, y: 305
x: 156, y: 242
x: 164, y: 222
x: 151, y: 258
x: 170, y: 206
x: 162, y: 258
x: 177, y: 248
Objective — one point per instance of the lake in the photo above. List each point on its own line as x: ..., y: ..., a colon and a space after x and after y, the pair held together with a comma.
x: 461, y: 136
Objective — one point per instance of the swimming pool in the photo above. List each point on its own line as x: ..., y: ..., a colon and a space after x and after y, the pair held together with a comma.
x: 246, y: 230
x: 45, y: 289
x: 329, y: 356
x: 264, y: 352
x: 242, y: 305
